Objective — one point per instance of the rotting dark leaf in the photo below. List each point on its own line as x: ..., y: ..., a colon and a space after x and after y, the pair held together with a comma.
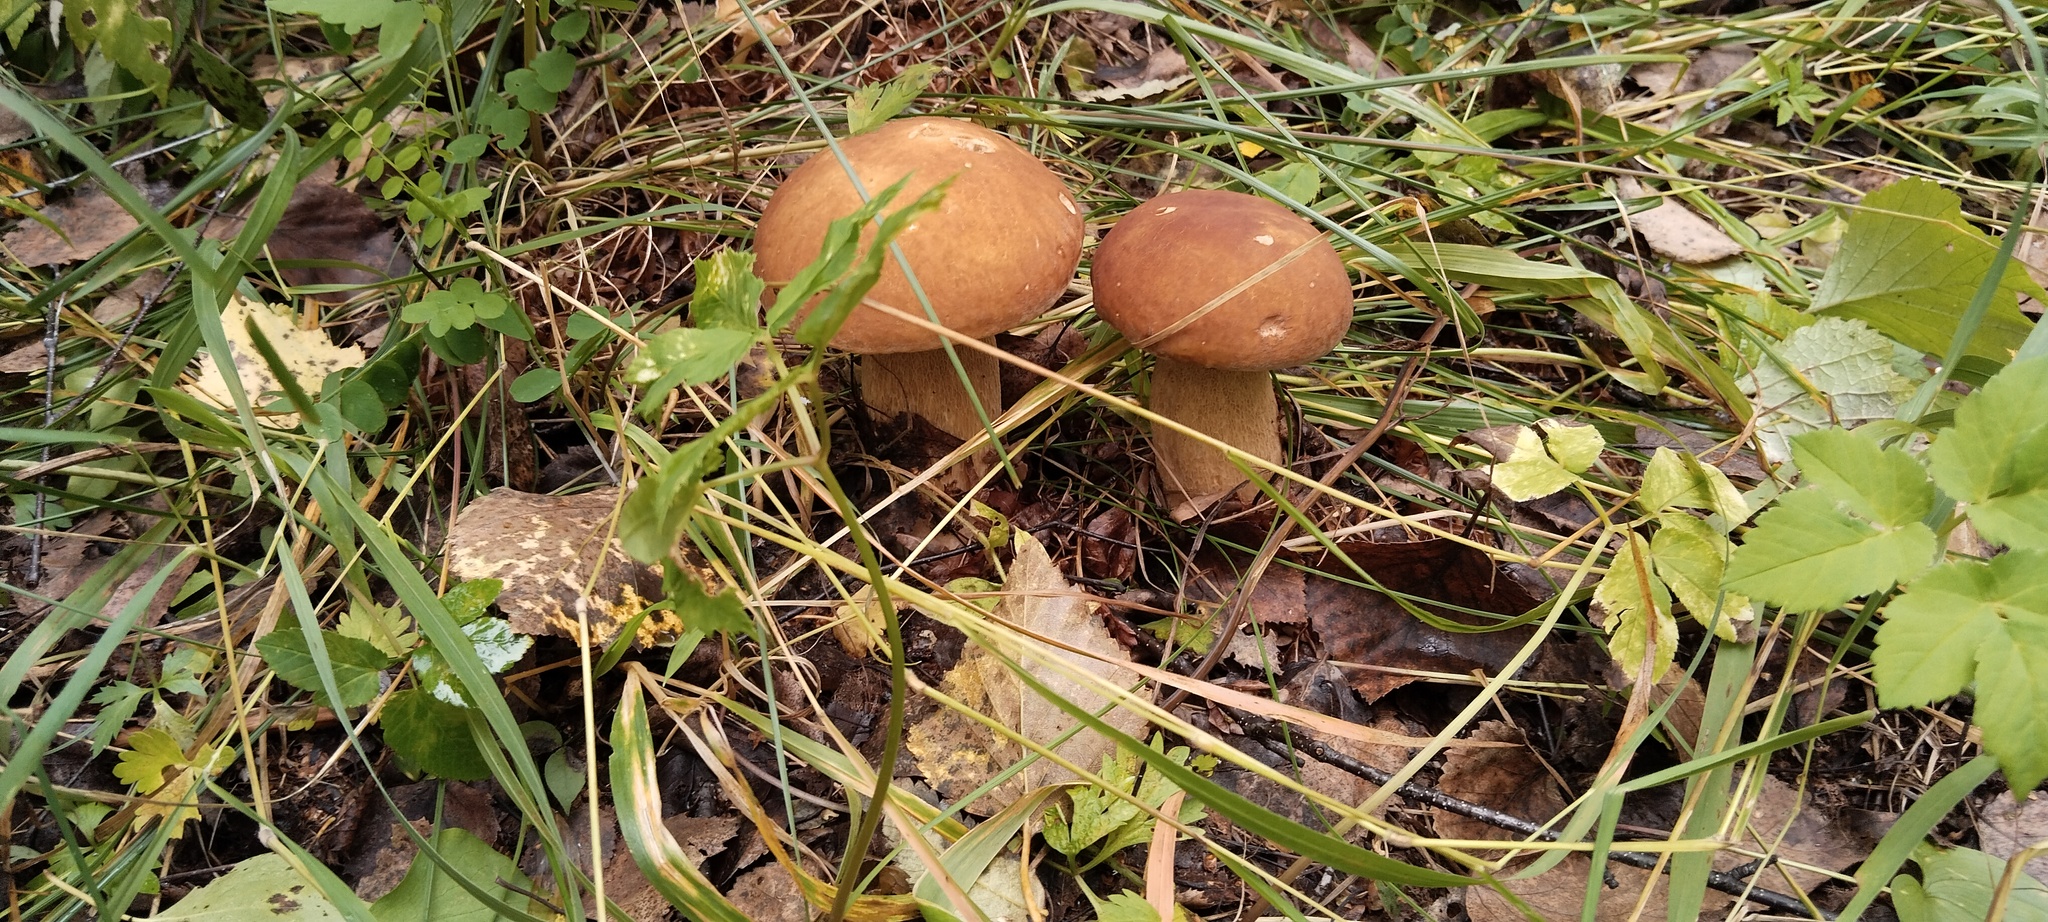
x: 327, y: 223
x: 1109, y: 545
x: 1366, y: 628
x: 89, y: 222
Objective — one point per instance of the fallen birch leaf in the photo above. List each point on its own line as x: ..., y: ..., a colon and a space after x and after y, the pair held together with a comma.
x: 558, y: 556
x: 309, y: 356
x: 957, y: 754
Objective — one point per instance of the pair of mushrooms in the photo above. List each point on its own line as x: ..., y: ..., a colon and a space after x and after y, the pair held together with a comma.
x: 1223, y: 288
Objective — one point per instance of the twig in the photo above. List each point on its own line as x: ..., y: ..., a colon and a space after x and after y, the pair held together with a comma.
x: 1278, y: 739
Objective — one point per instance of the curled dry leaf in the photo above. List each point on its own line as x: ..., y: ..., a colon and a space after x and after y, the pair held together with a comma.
x: 560, y: 559
x: 957, y: 754
x: 309, y: 357
x: 1675, y: 231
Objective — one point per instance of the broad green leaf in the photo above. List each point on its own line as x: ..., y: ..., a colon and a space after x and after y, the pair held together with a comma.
x: 1884, y: 485
x: 1530, y: 472
x: 470, y: 600
x: 1958, y: 884
x: 1576, y: 446
x: 1996, y: 456
x: 497, y: 647
x: 728, y: 295
x: 651, y: 520
x: 1638, y: 610
x: 432, y: 736
x: 151, y: 752
x: 463, y: 304
x: 266, y: 888
x: 356, y: 664
x: 2012, y: 697
x: 1093, y: 813
x: 125, y: 36
x: 1680, y: 480
x: 871, y: 105
x: 1691, y: 557
x: 686, y: 356
x: 565, y: 781
x: 387, y: 629
x: 1909, y: 264
x: 352, y: 15
x: 702, y: 611
x: 554, y: 69
x: 1125, y: 907
x: 1832, y: 372
x: 428, y: 894
x: 1805, y: 554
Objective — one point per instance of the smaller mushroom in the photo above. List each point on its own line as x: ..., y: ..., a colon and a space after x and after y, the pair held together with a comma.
x: 999, y: 249
x: 1223, y: 289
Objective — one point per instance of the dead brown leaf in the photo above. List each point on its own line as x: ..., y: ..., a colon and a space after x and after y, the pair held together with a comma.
x: 1279, y: 597
x: 86, y: 223
x: 769, y: 894
x: 1509, y: 780
x: 1160, y: 71
x: 957, y: 755
x: 325, y: 222
x: 1379, y: 640
x: 625, y: 885
x: 2004, y: 827
x: 1109, y: 544
x: 559, y: 559
x: 1675, y: 231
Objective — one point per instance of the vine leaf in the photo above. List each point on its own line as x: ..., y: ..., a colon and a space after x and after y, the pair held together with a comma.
x: 1985, y: 622
x: 1996, y: 457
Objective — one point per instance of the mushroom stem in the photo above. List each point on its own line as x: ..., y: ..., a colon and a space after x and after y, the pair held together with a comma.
x: 925, y: 385
x: 1236, y: 407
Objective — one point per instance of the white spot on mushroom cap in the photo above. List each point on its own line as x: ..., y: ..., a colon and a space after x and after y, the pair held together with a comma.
x: 1170, y: 209
x: 1264, y: 240
x: 1274, y: 327
x: 1069, y: 203
x: 973, y: 145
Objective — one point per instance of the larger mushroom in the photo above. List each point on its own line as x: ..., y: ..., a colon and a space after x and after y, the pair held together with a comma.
x: 999, y: 250
x: 1223, y: 288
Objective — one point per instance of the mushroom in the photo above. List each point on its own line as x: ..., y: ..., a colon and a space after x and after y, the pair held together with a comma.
x: 999, y: 250
x: 1223, y: 288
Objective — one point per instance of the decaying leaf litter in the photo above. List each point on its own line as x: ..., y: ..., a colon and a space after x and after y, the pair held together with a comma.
x: 488, y: 353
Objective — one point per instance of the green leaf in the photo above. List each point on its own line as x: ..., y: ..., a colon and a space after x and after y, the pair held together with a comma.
x: 428, y: 894
x: 1125, y: 907
x: 185, y: 669
x: 1909, y: 264
x: 1996, y: 456
x: 463, y: 304
x: 1680, y: 480
x: 684, y: 357
x: 1094, y: 810
x: 1691, y: 557
x: 526, y: 89
x: 701, y: 611
x: 553, y: 69
x: 652, y: 519
x: 151, y: 752
x: 125, y: 36
x: 1638, y: 610
x: 876, y: 103
x: 1884, y: 485
x: 571, y: 27
x: 469, y: 600
x: 497, y: 647
x: 1529, y: 472
x: 536, y: 384
x: 1828, y: 373
x: 266, y: 888
x: 728, y: 295
x: 228, y: 90
x: 1805, y: 554
x: 117, y: 704
x: 387, y: 629
x: 564, y: 780
x: 1958, y: 884
x: 352, y: 15
x: 356, y: 664
x: 432, y: 736
x: 1576, y: 446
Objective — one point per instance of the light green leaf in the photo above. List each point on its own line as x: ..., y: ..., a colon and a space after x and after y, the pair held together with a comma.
x: 1934, y: 631
x: 351, y: 15
x: 1126, y: 907
x: 1529, y: 472
x: 1576, y: 446
x: 356, y: 664
x: 1996, y: 456
x: 1957, y: 885
x: 1805, y: 554
x: 553, y: 69
x: 265, y: 888
x: 1680, y: 480
x: 871, y: 105
x: 1637, y: 606
x: 387, y: 629
x: 126, y: 36
x: 151, y: 752
x: 1832, y: 372
x: 497, y: 647
x: 1886, y: 486
x: 2012, y: 699
x: 687, y: 356
x: 117, y: 704
x: 1691, y: 557
x: 427, y: 894
x: 1909, y: 265
x: 185, y: 669
x: 728, y: 295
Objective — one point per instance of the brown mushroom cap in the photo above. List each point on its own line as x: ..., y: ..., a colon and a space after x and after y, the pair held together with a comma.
x: 1174, y: 254
x: 999, y: 250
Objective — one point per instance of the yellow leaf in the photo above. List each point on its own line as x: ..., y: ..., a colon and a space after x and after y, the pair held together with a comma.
x: 309, y: 356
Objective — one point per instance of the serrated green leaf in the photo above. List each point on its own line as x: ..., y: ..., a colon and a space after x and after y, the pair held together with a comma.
x: 1996, y: 457
x: 874, y: 104
x: 728, y: 295
x: 1575, y: 446
x: 1832, y: 372
x: 1806, y: 554
x: 185, y: 670
x: 151, y: 752
x: 1691, y: 558
x: 1958, y: 885
x: 702, y: 611
x: 356, y: 664
x: 1681, y: 480
x: 1637, y: 606
x: 387, y: 629
x: 1530, y: 472
x: 117, y: 702
x: 1125, y: 907
x: 432, y: 736
x: 1929, y: 643
x: 1884, y: 485
x: 1910, y: 263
